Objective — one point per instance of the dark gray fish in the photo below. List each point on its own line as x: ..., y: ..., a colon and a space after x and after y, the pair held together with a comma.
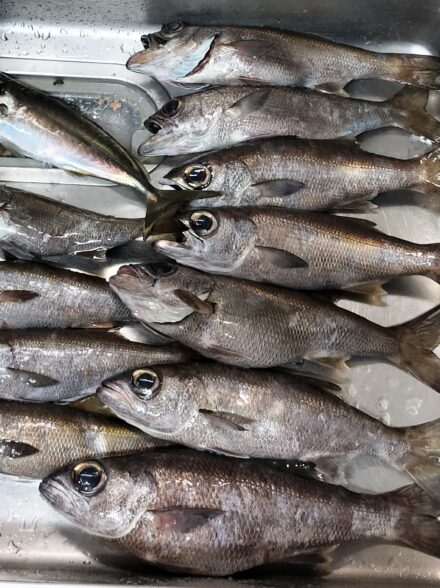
x: 192, y: 512
x: 33, y: 295
x: 255, y: 325
x: 264, y: 414
x: 297, y: 249
x: 38, y: 439
x: 238, y: 55
x: 302, y: 174
x: 49, y: 365
x: 221, y: 117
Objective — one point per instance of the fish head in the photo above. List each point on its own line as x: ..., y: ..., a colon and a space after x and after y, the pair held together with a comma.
x: 215, y: 240
x: 154, y: 293
x: 105, y: 497
x: 172, y: 53
x: 185, y: 124
x: 157, y: 399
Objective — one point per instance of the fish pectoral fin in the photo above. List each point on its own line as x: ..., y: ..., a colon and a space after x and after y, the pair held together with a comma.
x: 279, y: 258
x: 323, y: 555
x: 194, y: 302
x: 253, y: 48
x: 18, y: 296
x: 229, y: 354
x: 281, y: 187
x: 336, y: 88
x: 312, y: 371
x: 336, y: 368
x: 16, y: 449
x: 32, y: 379
x: 99, y: 255
x: 184, y: 520
x: 230, y: 420
x: 12, y: 251
x: 226, y: 453
x: 370, y: 293
x: 249, y: 104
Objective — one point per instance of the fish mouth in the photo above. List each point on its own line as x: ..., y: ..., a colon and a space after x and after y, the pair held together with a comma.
x: 132, y: 280
x: 114, y: 397
x: 177, y: 249
x: 57, y: 495
x: 148, y: 55
x: 175, y: 183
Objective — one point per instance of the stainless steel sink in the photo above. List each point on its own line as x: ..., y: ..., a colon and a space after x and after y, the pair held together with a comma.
x: 77, y: 50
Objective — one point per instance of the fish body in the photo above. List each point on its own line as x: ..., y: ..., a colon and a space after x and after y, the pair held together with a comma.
x: 255, y: 325
x: 39, y: 439
x: 266, y: 414
x: 190, y: 512
x: 296, y: 249
x: 301, y: 174
x: 220, y: 55
x: 50, y: 365
x: 220, y: 117
x: 34, y: 295
x: 38, y: 226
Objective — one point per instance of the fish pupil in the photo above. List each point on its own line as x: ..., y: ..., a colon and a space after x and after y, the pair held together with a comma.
x: 145, y: 381
x: 88, y: 479
x: 202, y: 223
x: 170, y: 108
x: 197, y: 174
x: 172, y: 27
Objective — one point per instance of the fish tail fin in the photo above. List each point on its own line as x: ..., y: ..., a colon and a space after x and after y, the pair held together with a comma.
x: 162, y: 205
x: 417, y: 339
x: 430, y: 165
x: 410, y: 103
x: 422, y: 464
x: 416, y: 70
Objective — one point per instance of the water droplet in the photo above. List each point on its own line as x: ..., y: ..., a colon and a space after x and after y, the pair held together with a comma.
x: 63, y: 32
x: 3, y: 37
x: 37, y: 34
x: 45, y: 35
x: 382, y: 403
x: 82, y: 34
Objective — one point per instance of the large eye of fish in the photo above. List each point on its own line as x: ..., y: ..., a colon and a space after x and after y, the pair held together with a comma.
x: 89, y: 478
x: 161, y: 269
x: 203, y: 224
x: 171, y: 108
x: 197, y: 176
x: 3, y: 110
x: 171, y: 28
x: 152, y: 126
x: 146, y: 383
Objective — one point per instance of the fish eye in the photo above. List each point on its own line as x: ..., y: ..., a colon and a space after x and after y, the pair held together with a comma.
x: 197, y: 176
x: 3, y: 110
x: 203, y: 224
x: 161, y: 269
x: 145, y: 40
x: 152, y: 126
x: 172, y: 28
x: 146, y: 383
x: 171, y: 108
x: 89, y: 478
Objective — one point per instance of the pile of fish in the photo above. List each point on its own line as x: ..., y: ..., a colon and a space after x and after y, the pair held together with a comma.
x: 226, y: 445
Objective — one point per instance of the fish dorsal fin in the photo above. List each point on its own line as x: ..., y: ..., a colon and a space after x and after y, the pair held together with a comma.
x: 182, y: 519
x: 17, y: 296
x: 281, y: 259
x: 231, y: 420
x: 32, y: 379
x: 16, y: 449
x: 253, y: 48
x: 280, y: 188
x: 194, y: 302
x: 249, y: 104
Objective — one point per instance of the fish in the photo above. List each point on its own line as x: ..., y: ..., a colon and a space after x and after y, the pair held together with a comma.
x: 269, y: 415
x: 198, y: 513
x: 37, y: 439
x: 33, y: 295
x: 297, y: 249
x: 303, y: 174
x: 223, y: 55
x: 220, y: 117
x: 64, y: 365
x: 254, y: 325
x: 38, y: 125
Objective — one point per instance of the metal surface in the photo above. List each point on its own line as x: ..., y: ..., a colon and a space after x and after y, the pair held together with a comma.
x: 86, y: 44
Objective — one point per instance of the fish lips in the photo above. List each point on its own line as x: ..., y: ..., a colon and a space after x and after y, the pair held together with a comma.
x: 178, y: 250
x: 60, y: 497
x: 120, y: 399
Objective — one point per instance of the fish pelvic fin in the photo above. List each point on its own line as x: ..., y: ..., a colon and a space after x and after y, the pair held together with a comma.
x: 415, y: 70
x: 417, y: 339
x: 410, y: 106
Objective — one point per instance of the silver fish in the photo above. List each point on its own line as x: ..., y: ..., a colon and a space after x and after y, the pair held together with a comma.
x: 238, y: 55
x: 33, y: 295
x: 255, y: 325
x: 50, y: 365
x: 192, y: 512
x: 37, y: 439
x: 221, y: 117
x: 264, y: 414
x: 297, y: 249
x: 302, y: 174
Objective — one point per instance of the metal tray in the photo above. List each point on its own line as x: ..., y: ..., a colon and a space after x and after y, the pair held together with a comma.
x: 78, y: 50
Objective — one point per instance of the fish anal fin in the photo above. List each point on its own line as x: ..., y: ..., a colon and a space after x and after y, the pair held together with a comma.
x: 31, y: 379
x: 370, y: 292
x: 273, y: 188
x: 184, y: 520
x: 336, y: 88
x: 281, y: 259
x: 253, y: 102
x: 234, y: 421
x: 194, y: 302
x: 17, y: 296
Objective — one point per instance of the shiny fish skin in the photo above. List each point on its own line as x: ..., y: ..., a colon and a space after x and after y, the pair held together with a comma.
x: 221, y: 117
x: 45, y: 365
x: 222, y: 55
x: 303, y: 174
x: 192, y: 512
x: 41, y: 227
x: 33, y: 295
x: 61, y: 435
x: 297, y: 249
x: 255, y: 325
